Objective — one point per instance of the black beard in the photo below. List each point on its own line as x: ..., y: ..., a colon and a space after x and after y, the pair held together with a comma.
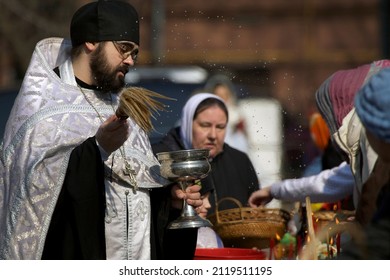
x: 103, y: 74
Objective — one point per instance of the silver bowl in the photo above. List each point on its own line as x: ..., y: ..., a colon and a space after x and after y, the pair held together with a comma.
x: 185, y: 166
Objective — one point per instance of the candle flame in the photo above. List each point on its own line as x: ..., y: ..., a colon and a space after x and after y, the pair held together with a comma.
x: 277, y: 236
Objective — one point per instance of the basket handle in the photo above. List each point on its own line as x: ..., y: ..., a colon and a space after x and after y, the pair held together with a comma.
x: 236, y: 201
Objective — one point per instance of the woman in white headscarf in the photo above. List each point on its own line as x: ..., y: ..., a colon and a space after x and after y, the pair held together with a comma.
x: 203, y: 126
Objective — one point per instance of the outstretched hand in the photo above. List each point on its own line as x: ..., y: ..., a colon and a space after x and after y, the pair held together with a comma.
x: 191, y: 194
x: 260, y: 197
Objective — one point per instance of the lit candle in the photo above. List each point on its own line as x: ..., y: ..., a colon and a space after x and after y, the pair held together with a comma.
x: 338, y: 243
x: 290, y: 251
x: 271, y: 248
x: 299, y: 245
x: 327, y: 243
x: 331, y: 247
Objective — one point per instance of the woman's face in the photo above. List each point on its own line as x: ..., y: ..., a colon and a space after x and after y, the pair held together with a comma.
x: 209, y: 129
x: 223, y: 92
x: 205, y: 206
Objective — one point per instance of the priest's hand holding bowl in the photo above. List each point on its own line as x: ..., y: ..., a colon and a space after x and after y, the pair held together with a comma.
x: 191, y: 195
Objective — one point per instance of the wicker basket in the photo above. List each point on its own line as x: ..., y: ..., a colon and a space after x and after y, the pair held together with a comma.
x: 321, y: 219
x: 246, y: 227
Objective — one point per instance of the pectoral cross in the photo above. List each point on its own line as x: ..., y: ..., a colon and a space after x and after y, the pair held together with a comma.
x: 131, y: 173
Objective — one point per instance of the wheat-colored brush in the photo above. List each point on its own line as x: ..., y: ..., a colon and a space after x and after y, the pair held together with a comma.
x: 140, y: 104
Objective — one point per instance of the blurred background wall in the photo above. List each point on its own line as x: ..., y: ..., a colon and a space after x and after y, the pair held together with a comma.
x: 280, y: 49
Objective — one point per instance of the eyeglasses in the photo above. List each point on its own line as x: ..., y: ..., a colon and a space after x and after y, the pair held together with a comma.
x: 126, y: 49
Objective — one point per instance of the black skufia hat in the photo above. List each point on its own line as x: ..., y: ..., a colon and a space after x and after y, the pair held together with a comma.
x: 105, y: 20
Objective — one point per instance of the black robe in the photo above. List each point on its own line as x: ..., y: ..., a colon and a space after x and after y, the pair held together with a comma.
x: 232, y: 173
x: 77, y: 228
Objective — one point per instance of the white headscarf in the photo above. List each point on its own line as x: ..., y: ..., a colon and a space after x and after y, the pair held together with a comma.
x: 187, y: 116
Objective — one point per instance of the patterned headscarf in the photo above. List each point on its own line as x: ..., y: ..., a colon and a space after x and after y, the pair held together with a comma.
x: 372, y: 105
x: 335, y: 97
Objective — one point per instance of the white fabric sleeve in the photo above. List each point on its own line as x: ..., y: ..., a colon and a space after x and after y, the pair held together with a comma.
x: 104, y: 155
x: 329, y: 185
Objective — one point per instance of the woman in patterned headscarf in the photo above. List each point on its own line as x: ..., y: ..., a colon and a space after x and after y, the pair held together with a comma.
x: 372, y: 105
x: 335, y: 101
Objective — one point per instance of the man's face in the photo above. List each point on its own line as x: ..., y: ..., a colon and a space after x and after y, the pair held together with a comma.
x: 209, y: 129
x: 109, y: 67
